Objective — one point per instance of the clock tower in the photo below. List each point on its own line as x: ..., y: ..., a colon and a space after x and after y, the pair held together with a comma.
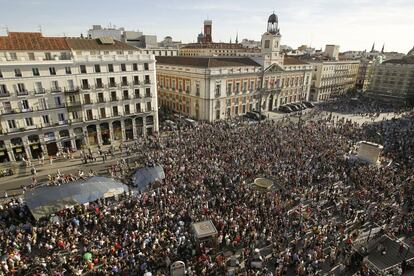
x: 271, y: 43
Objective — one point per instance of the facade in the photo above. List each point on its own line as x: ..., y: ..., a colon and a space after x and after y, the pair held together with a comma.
x: 217, y: 88
x: 364, y: 75
x: 97, y: 31
x: 161, y: 51
x: 213, y: 49
x: 60, y: 93
x: 393, y: 80
x: 332, y: 78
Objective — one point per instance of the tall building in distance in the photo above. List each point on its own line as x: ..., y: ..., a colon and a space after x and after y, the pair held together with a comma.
x: 58, y: 92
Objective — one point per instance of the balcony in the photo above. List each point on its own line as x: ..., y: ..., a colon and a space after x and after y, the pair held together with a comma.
x: 71, y: 89
x: 74, y: 121
x: 124, y: 84
x: 4, y: 94
x: 187, y: 91
x: 101, y: 100
x: 99, y: 86
x: 90, y: 118
x: 40, y: 91
x: 126, y: 98
x: 22, y: 93
x: 112, y: 85
x: 136, y: 83
x: 85, y: 87
x: 73, y: 104
x: 147, y: 82
x: 217, y: 95
x: 114, y: 99
x: 56, y: 89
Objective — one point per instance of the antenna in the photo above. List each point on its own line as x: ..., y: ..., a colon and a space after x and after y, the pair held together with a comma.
x: 40, y: 28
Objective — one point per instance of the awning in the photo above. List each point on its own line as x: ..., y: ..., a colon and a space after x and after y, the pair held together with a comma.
x: 145, y: 176
x: 47, y: 200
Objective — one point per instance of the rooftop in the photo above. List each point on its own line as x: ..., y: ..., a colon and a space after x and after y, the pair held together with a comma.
x: 213, y: 45
x: 20, y: 41
x: 97, y: 44
x: 404, y: 60
x: 293, y: 61
x: 206, y: 62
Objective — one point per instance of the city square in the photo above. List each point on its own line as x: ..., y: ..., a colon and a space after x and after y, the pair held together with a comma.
x: 123, y: 154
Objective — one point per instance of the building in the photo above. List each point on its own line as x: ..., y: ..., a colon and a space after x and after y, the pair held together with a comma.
x: 332, y: 52
x: 60, y: 93
x: 364, y: 74
x: 169, y: 43
x: 97, y: 31
x: 332, y: 78
x: 393, y: 80
x: 246, y: 43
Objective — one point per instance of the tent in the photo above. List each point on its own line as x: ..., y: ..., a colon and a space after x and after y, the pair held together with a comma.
x: 47, y: 200
x: 145, y: 176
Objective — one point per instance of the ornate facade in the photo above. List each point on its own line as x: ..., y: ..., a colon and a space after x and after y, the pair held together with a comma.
x: 60, y: 92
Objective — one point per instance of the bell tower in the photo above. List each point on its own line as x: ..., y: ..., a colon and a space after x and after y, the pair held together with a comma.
x: 271, y: 43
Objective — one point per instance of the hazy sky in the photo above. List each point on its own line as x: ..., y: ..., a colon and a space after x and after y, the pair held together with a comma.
x: 353, y: 24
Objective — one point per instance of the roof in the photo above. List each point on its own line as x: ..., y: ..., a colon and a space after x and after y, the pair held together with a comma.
x: 20, y: 41
x: 293, y: 61
x: 206, y: 62
x: 145, y: 176
x: 213, y: 45
x: 96, y: 44
x: 404, y: 60
x: 47, y: 200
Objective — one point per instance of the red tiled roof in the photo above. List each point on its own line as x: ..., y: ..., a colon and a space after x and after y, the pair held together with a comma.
x: 206, y: 62
x: 95, y: 44
x: 212, y: 45
x: 20, y: 41
x: 293, y: 61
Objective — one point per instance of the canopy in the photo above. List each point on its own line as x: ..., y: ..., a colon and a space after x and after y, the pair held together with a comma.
x: 144, y: 176
x: 47, y: 200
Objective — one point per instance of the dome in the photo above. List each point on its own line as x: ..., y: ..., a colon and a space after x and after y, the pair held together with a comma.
x: 273, y: 18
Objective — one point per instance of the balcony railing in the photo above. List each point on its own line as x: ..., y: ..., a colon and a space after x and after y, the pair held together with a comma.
x: 136, y: 83
x: 124, y: 84
x: 126, y: 97
x: 112, y: 84
x: 40, y: 91
x: 147, y: 82
x: 4, y: 94
x: 22, y: 93
x: 85, y: 87
x: 73, y: 104
x: 99, y: 86
x: 101, y: 101
x: 71, y: 89
x: 56, y: 89
x: 114, y: 99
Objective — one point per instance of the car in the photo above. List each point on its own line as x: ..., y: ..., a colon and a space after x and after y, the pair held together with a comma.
x: 300, y: 106
x: 260, y: 116
x: 309, y: 104
x: 293, y: 107
x: 303, y: 105
x: 251, y: 115
x: 285, y: 109
x: 190, y: 122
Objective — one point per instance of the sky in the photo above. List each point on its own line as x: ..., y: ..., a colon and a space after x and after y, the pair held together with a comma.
x: 352, y: 24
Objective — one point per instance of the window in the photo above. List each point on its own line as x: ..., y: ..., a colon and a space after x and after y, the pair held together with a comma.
x: 147, y: 79
x: 46, y: 119
x: 17, y: 72
x: 198, y: 89
x: 52, y: 70
x: 55, y: 86
x: 13, y: 56
x: 89, y: 114
x: 103, y: 112
x: 58, y: 101
x: 267, y: 44
x: 87, y: 98
x: 148, y: 92
x: 68, y: 70
x: 25, y: 104
x: 106, y: 52
x: 123, y: 67
x: 99, y: 83
x: 126, y: 109
x: 83, y: 69
x: 124, y: 81
x: 20, y: 88
x: 125, y: 94
x: 101, y: 98
x: 29, y: 121
x: 31, y: 56
x: 113, y: 96
x: 1, y: 74
x: 35, y: 72
x: 136, y: 80
x: 135, y: 67
x: 229, y: 88
x: 110, y: 67
x: 148, y: 106
x: 115, y: 111
x: 112, y: 82
x: 61, y: 117
x: 136, y: 93
x: 48, y: 56
x: 97, y: 68
x: 146, y: 67
x: 38, y: 87
x: 138, y: 107
x: 11, y: 123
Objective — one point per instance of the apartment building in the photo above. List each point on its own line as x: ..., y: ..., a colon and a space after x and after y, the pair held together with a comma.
x: 60, y: 93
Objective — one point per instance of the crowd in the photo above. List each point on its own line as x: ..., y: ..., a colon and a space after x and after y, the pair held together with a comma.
x: 310, y: 219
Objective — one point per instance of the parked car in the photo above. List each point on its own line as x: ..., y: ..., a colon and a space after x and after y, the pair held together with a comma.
x: 285, y: 109
x: 260, y: 116
x: 190, y: 122
x: 309, y: 104
x: 251, y: 115
x: 293, y: 107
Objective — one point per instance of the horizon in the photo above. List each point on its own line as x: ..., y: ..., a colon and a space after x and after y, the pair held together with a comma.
x: 353, y: 25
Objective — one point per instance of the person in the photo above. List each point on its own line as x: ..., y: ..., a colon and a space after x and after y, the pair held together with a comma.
x: 50, y: 159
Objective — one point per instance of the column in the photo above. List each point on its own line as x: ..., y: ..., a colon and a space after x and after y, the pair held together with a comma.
x: 144, y: 127
x: 72, y: 138
x: 99, y: 134
x: 111, y: 132
x: 134, y: 129
x: 9, y: 150
x: 58, y: 144
x: 27, y: 148
x: 123, y: 130
x: 85, y: 136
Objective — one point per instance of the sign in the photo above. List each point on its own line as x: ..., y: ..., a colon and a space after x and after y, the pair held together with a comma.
x: 177, y: 269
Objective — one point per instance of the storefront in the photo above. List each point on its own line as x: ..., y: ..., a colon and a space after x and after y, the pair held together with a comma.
x: 105, y: 134
x: 18, y: 149
x: 51, y: 146
x: 4, y: 157
x: 34, y: 146
x: 129, y: 130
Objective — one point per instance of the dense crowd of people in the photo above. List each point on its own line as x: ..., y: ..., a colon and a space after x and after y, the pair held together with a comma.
x: 318, y: 205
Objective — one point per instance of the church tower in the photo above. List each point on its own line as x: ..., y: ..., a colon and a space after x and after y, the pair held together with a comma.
x: 271, y: 43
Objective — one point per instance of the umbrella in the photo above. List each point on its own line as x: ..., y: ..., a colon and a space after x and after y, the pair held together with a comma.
x: 87, y: 256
